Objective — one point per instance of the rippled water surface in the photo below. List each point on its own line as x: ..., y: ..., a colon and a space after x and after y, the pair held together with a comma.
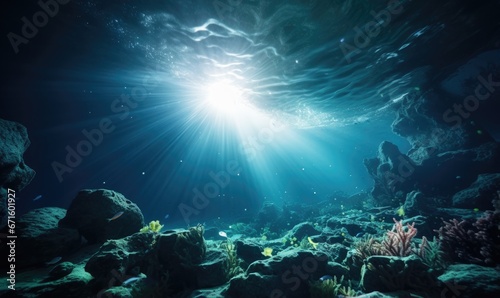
x: 312, y: 63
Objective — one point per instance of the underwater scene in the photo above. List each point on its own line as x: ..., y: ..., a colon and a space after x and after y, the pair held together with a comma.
x: 250, y: 148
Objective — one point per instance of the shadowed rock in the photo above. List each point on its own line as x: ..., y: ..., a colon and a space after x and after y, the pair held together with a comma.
x: 91, y: 210
x: 14, y: 173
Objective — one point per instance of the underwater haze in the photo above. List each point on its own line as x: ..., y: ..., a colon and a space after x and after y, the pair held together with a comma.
x: 209, y: 112
x: 311, y: 109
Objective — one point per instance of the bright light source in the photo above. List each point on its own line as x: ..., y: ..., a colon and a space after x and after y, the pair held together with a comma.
x: 224, y: 97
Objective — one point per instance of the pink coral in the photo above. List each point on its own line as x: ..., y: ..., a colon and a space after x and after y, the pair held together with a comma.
x: 398, y: 241
x: 473, y: 242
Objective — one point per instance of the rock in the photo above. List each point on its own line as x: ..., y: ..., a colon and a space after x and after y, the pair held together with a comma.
x: 395, y: 175
x: 181, y: 252
x: 75, y: 284
x: 336, y: 251
x: 389, y: 274
x: 211, y: 272
x: 169, y: 261
x: 421, y: 121
x: 61, y: 270
x: 117, y: 260
x: 392, y: 172
x: 212, y: 234
x: 377, y: 294
x: 479, y: 194
x: 285, y: 274
x: 449, y: 172
x: 417, y: 203
x: 39, y: 229
x: 248, y: 251
x: 268, y: 213
x: 91, y: 210
x: 336, y: 269
x: 14, y: 173
x: 471, y: 281
x: 345, y: 224
x: 303, y: 230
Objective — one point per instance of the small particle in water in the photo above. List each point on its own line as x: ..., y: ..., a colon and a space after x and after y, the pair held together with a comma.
x: 167, y: 216
x: 342, y: 39
x: 180, y: 160
x: 303, y: 169
x: 143, y: 173
x: 37, y: 198
x: 223, y: 234
x: 458, y: 177
x: 296, y: 61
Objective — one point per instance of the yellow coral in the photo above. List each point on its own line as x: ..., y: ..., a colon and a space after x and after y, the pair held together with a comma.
x: 401, y: 211
x: 154, y: 226
x: 314, y: 244
x: 268, y: 252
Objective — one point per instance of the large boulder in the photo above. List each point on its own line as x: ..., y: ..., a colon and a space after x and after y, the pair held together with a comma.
x: 212, y: 271
x: 181, y: 252
x: 470, y: 280
x: 40, y: 239
x: 451, y: 171
x: 393, y: 173
x: 396, y: 175
x: 167, y: 263
x: 479, y: 194
x: 117, y: 260
x: 74, y: 284
x: 422, y: 120
x: 285, y: 274
x: 14, y: 173
x: 391, y: 274
x: 91, y: 212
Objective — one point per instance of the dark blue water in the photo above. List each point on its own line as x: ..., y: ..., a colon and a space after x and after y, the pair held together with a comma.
x: 313, y: 88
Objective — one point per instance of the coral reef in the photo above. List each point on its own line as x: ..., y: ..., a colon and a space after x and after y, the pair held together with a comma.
x: 473, y: 242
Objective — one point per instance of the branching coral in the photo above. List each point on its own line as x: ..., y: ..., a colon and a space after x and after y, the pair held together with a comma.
x: 232, y: 263
x: 398, y: 241
x: 477, y: 243
x: 431, y: 254
x: 190, y: 246
x: 330, y: 288
x: 153, y: 227
x: 368, y: 246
